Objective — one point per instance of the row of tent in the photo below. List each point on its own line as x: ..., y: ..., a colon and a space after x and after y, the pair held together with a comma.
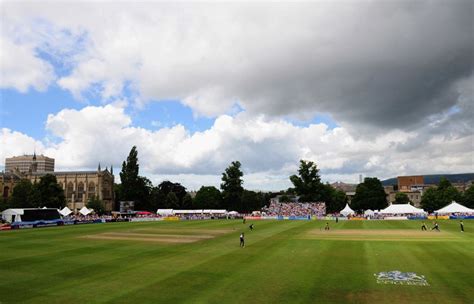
x: 84, y: 211
x: 409, y: 209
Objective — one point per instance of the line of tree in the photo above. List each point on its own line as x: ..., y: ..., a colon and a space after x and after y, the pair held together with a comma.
x: 172, y: 195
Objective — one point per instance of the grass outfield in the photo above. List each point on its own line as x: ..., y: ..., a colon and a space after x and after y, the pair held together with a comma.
x: 201, y: 262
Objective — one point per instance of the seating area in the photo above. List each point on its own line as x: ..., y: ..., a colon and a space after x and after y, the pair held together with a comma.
x: 295, y: 209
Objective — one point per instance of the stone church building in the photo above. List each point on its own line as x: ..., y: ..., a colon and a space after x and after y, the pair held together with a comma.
x: 79, y: 186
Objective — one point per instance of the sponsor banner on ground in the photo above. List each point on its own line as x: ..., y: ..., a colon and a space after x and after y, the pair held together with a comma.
x: 329, y: 218
x: 400, y: 278
x: 98, y: 221
x: 307, y: 217
x: 438, y: 217
x: 22, y: 225
x: 269, y: 217
x: 252, y: 217
x: 146, y: 219
x: 36, y: 224
x: 5, y: 227
x: 357, y: 219
x: 171, y: 218
x: 40, y: 224
x: 461, y: 217
x: 395, y: 218
x: 417, y: 217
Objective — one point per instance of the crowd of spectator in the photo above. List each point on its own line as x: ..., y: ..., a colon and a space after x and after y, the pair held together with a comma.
x: 295, y: 209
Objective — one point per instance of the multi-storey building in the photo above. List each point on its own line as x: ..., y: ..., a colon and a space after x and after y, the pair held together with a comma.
x: 410, y: 183
x: 25, y: 163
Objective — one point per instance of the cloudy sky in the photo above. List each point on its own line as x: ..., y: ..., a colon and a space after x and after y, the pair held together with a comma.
x: 378, y: 88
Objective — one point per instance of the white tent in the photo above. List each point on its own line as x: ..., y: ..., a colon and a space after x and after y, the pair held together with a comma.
x: 190, y: 211
x: 12, y: 215
x: 369, y: 212
x: 164, y: 211
x: 347, y: 210
x: 65, y: 211
x: 401, y: 209
x: 455, y: 208
x: 215, y: 211
x: 85, y: 211
x: 233, y: 213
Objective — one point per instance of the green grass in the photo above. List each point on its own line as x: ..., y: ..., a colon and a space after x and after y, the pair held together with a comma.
x: 283, y: 262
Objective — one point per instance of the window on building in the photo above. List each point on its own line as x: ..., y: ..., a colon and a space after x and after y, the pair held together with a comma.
x: 80, y: 191
x: 5, y: 191
x: 70, y: 190
x: 91, y: 188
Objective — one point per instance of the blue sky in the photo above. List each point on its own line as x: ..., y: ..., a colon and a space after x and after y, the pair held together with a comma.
x: 28, y: 112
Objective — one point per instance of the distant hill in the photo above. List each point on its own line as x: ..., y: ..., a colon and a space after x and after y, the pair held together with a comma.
x: 434, y: 178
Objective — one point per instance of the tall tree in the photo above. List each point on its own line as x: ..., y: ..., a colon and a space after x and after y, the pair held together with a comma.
x: 135, y: 187
x: 436, y: 198
x: 129, y: 176
x: 48, y: 193
x: 307, y: 184
x: 22, y: 195
x: 232, y: 186
x: 208, y: 198
x: 401, y: 198
x: 369, y: 195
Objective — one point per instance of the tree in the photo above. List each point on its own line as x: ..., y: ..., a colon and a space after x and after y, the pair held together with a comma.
x: 429, y: 200
x: 468, y: 197
x: 369, y: 195
x: 158, y: 198
x: 96, y: 204
x: 436, y: 198
x: 208, y: 198
x: 307, y: 184
x: 167, y: 187
x: 187, y: 202
x: 172, y: 201
x: 401, y: 198
x: 232, y: 186
x: 143, y: 194
x: 135, y: 187
x: 48, y: 193
x: 22, y: 195
x: 336, y: 201
x: 251, y: 201
x: 129, y: 176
